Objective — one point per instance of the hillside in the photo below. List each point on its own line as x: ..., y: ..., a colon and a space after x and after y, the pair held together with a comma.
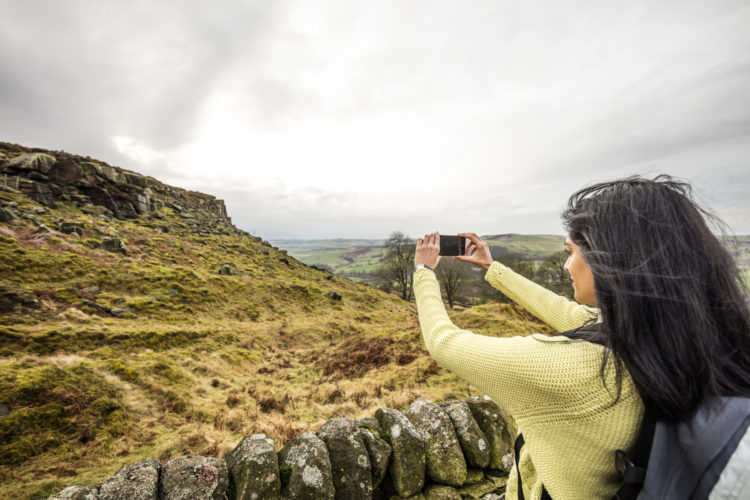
x: 137, y: 322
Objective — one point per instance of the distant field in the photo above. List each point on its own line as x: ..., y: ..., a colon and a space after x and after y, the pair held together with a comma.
x: 356, y: 258
x: 530, y: 246
x: 345, y: 257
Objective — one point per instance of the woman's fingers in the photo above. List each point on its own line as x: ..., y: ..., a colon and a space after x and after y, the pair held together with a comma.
x: 428, y: 250
x: 476, y: 241
x: 472, y: 236
x: 477, y: 252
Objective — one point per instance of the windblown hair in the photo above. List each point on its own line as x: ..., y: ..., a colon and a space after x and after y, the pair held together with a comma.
x: 673, y: 304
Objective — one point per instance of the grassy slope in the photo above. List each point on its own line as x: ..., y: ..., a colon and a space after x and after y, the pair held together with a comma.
x: 202, y: 360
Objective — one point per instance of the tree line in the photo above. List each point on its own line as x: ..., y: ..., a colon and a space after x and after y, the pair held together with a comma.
x: 462, y: 282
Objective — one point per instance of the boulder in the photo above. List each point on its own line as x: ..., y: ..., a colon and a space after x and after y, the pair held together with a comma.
x: 142, y: 203
x: 120, y: 312
x: 114, y: 245
x: 350, y: 461
x: 305, y: 469
x: 10, y: 298
x: 493, y: 496
x: 407, y: 465
x: 478, y: 490
x: 8, y: 214
x: 227, y: 270
x: 333, y: 295
x: 38, y: 162
x: 104, y: 171
x: 490, y: 419
x: 96, y: 305
x: 71, y: 227
x: 441, y: 492
x: 194, y: 478
x: 470, y: 436
x: 445, y: 461
x: 134, y: 179
x: 140, y: 480
x: 473, y: 476
x: 254, y: 469
x: 370, y: 423
x: 379, y: 452
x: 89, y: 492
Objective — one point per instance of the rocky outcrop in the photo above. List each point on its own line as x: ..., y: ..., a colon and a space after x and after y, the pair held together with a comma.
x: 52, y: 177
x: 373, y: 458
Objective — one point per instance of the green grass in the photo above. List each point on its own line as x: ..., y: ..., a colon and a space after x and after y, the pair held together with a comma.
x: 199, y: 359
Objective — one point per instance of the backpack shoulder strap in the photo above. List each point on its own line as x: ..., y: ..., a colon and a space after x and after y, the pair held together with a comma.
x: 633, y: 472
x: 516, y: 454
x: 591, y: 332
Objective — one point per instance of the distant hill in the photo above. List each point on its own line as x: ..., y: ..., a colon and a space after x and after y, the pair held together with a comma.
x: 357, y: 258
x: 351, y: 258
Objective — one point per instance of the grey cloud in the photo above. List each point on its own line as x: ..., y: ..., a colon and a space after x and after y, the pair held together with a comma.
x: 142, y: 69
x: 539, y: 98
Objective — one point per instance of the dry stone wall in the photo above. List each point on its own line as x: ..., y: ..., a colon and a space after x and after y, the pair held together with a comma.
x: 451, y: 451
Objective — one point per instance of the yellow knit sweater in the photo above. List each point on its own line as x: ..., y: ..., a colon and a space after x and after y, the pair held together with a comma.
x: 551, y: 385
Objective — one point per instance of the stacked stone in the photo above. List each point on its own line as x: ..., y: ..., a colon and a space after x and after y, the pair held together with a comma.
x: 456, y: 450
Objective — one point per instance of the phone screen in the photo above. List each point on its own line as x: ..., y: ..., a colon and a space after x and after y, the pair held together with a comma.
x: 452, y: 245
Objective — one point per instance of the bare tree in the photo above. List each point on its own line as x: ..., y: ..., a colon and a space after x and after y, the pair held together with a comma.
x: 553, y: 276
x: 519, y: 264
x: 396, y: 268
x: 453, y: 275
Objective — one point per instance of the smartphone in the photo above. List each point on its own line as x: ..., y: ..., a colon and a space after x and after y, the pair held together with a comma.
x: 452, y: 245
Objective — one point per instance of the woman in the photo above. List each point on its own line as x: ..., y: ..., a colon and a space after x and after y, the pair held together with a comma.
x: 673, y: 329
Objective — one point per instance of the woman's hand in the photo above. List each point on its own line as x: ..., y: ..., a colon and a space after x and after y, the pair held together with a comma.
x: 428, y: 250
x: 477, y: 251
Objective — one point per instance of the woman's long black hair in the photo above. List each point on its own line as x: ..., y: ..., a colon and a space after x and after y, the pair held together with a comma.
x: 673, y: 304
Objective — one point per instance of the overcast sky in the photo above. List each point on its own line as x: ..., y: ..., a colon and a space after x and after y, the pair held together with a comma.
x: 320, y: 119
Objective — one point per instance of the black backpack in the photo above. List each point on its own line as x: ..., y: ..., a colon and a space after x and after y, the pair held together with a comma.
x: 675, y: 460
